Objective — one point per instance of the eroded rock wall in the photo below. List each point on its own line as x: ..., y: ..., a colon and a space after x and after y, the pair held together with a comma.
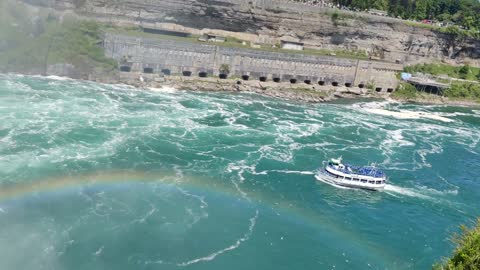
x: 271, y: 20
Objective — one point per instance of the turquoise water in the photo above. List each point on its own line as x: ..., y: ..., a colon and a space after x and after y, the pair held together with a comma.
x: 111, y: 177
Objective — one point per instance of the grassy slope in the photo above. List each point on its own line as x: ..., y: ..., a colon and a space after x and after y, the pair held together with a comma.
x: 442, y: 69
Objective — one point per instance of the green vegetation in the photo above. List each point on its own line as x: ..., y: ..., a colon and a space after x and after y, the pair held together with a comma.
x: 406, y: 91
x: 460, y: 91
x: 467, y: 253
x: 464, y: 91
x: 34, y: 44
x: 370, y: 85
x: 463, y: 13
x: 224, y: 69
x: 460, y: 72
x: 338, y: 18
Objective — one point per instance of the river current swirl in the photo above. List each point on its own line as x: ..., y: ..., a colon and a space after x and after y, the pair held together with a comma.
x: 97, y: 176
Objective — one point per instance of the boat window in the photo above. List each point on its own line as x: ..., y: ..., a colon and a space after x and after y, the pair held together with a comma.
x: 364, y: 181
x: 356, y: 179
x: 371, y: 182
x: 348, y: 178
x: 379, y: 182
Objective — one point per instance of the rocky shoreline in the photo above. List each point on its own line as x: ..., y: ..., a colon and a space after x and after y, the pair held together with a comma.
x: 308, y: 93
x: 299, y: 92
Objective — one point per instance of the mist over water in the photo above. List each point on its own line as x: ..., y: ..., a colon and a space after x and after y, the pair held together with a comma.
x: 99, y: 176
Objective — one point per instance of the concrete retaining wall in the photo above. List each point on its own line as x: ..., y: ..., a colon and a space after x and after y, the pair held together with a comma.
x: 176, y: 57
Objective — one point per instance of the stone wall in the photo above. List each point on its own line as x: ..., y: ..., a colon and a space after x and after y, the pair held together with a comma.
x: 175, y: 57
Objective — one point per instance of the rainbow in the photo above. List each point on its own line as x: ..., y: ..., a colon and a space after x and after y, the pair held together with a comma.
x: 308, y: 217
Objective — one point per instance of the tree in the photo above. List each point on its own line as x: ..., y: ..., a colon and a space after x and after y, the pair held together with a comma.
x: 420, y: 10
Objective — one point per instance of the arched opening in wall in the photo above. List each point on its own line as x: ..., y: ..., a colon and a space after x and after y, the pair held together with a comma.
x: 307, y: 81
x: 378, y: 89
x: 335, y: 83
x: 245, y: 77
x: 166, y: 71
x: 202, y: 74
x: 148, y: 70
x: 239, y: 82
x: 321, y: 82
x: 293, y: 80
x: 263, y: 79
x: 125, y: 69
x: 222, y: 76
x: 187, y: 73
x: 348, y: 84
x: 361, y: 85
x: 390, y: 90
x: 277, y: 80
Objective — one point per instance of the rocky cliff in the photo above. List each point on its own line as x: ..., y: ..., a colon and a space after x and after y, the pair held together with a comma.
x: 269, y: 21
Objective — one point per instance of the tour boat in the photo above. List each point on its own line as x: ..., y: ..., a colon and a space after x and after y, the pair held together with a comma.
x: 345, y: 175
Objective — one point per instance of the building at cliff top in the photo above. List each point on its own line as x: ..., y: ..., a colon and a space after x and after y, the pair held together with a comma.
x: 292, y: 45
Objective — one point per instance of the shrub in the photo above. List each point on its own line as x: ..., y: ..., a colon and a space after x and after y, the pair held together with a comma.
x: 405, y: 91
x: 224, y: 69
x: 467, y: 252
x: 464, y: 71
x: 463, y: 90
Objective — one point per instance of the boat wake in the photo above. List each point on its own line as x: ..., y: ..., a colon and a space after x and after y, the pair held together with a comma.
x: 396, y: 190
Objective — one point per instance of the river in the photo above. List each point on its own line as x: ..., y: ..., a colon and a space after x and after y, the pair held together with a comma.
x: 96, y: 176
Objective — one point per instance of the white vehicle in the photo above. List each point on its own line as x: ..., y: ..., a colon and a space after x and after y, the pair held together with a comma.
x: 345, y: 175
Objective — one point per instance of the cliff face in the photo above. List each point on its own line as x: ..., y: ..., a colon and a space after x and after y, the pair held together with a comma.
x: 270, y: 20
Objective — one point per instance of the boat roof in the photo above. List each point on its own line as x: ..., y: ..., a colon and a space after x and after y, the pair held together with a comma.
x: 362, y: 171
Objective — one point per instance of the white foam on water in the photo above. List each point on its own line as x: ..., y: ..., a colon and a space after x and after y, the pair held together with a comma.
x: 235, y: 245
x: 53, y: 77
x: 99, y: 251
x: 389, y: 188
x: 203, y: 206
x: 395, y: 138
x: 292, y: 172
x: 404, y: 114
x: 146, y: 216
x: 433, y: 191
x: 164, y: 89
x: 454, y: 114
x: 282, y: 154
